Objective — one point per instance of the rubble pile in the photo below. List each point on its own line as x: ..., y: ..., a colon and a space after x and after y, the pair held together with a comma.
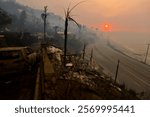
x: 81, y: 79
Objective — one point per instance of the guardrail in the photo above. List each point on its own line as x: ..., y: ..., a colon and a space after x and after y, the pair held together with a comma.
x: 37, y: 94
x: 39, y: 86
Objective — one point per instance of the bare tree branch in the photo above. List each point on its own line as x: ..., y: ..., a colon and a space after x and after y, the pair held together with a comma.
x: 71, y: 19
x: 76, y: 6
x: 65, y: 12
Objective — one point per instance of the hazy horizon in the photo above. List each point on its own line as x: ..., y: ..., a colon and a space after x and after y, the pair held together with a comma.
x: 122, y: 15
x: 129, y: 20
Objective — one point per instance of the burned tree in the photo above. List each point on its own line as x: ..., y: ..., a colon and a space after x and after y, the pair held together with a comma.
x: 23, y: 17
x: 4, y: 19
x: 68, y: 18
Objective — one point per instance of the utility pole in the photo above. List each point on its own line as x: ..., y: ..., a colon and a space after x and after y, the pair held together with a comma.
x: 84, y: 51
x: 117, y: 71
x: 44, y: 16
x: 146, y: 53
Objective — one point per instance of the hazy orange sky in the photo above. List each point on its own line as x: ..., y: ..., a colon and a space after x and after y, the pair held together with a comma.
x: 123, y: 15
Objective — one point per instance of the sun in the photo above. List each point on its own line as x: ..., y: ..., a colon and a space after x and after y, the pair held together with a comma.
x: 106, y: 27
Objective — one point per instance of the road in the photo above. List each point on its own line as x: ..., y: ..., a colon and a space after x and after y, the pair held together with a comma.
x: 133, y: 73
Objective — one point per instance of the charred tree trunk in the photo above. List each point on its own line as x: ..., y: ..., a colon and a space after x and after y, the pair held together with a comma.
x: 65, y: 43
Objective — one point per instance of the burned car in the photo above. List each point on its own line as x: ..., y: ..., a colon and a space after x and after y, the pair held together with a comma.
x: 17, y: 59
